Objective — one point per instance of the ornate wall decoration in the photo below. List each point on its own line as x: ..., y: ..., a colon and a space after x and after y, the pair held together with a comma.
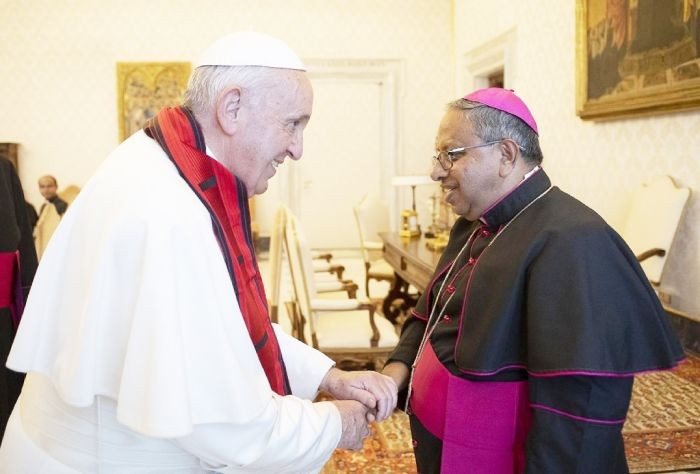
x: 145, y: 88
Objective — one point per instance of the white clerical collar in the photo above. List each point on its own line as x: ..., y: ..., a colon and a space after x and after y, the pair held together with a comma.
x: 497, y: 201
x: 531, y: 172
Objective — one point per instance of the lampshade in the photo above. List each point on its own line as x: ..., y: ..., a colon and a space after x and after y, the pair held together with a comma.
x: 411, y: 180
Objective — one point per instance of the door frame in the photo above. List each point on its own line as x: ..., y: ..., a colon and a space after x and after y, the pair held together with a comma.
x: 388, y: 74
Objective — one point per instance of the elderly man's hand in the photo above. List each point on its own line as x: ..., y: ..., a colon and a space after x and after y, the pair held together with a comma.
x: 354, y: 418
x: 374, y: 390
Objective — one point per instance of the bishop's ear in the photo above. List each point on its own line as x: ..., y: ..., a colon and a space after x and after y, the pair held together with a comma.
x: 228, y: 108
x: 509, y: 152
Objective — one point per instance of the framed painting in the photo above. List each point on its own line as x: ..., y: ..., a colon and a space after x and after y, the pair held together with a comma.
x: 636, y: 57
x: 145, y: 88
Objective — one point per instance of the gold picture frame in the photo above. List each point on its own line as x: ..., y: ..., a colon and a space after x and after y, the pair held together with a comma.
x: 636, y: 57
x: 145, y: 88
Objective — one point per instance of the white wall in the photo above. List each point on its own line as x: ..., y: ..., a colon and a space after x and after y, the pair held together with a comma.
x: 58, y: 87
x: 599, y: 163
x: 58, y: 66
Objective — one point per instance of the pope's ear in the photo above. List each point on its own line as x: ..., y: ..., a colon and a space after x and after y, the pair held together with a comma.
x: 228, y: 109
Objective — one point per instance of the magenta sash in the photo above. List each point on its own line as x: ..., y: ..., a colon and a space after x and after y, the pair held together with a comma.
x: 483, y: 425
x: 11, y: 286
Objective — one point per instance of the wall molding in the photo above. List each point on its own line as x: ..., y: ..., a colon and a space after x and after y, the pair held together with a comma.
x: 478, y: 63
x: 389, y: 75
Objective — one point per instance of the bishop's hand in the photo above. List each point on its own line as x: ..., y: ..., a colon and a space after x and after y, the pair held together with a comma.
x: 375, y: 391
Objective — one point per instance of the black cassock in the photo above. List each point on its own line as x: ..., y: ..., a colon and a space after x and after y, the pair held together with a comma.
x: 15, y: 234
x: 554, y: 297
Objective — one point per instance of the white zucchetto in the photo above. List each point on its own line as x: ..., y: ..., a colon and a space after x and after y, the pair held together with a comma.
x: 250, y: 48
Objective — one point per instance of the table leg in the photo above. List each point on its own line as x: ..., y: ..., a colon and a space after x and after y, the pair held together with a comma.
x: 398, y: 302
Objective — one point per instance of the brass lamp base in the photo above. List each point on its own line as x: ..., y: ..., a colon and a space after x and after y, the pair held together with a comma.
x: 409, y: 224
x: 409, y: 233
x: 437, y: 243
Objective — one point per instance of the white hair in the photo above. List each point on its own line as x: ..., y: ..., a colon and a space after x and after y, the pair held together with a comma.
x: 207, y: 82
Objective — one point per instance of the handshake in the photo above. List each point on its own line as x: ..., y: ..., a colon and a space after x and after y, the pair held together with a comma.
x: 361, y: 397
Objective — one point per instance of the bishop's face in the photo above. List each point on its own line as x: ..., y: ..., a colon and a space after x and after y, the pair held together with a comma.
x: 272, y: 130
x: 473, y: 183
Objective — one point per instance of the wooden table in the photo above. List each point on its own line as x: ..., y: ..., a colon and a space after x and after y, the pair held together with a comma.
x: 414, y: 264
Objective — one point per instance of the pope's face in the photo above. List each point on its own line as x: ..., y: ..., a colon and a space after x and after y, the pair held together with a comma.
x: 272, y: 130
x: 473, y: 182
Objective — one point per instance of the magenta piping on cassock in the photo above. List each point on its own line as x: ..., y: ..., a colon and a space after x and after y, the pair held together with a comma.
x: 460, y: 270
x: 561, y: 373
x: 575, y: 417
x: 604, y: 374
x: 429, y: 290
x: 464, y: 302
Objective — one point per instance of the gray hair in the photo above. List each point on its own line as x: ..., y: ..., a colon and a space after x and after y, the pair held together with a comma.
x: 207, y: 82
x: 491, y: 124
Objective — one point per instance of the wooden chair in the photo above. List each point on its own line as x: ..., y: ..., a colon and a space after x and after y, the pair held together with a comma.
x: 322, y: 262
x: 49, y: 219
x: 326, y: 266
x: 69, y: 193
x: 651, y: 223
x: 276, y: 258
x: 348, y: 331
x: 372, y: 217
x: 45, y: 226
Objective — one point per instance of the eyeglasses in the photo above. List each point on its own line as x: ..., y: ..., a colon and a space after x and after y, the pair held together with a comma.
x: 447, y: 158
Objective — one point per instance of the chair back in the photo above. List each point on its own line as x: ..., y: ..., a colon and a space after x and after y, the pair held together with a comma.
x: 45, y: 227
x: 372, y: 217
x: 301, y: 269
x: 69, y: 193
x: 652, y: 221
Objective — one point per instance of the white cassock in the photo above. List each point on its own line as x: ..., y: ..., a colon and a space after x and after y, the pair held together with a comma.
x: 138, y: 356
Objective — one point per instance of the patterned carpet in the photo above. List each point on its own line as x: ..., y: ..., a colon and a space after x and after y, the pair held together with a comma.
x: 662, y: 432
x: 387, y: 451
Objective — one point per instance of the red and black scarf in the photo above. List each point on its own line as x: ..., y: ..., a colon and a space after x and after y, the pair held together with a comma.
x: 225, y: 197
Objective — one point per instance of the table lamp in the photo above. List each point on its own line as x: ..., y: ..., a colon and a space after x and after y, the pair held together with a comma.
x: 409, y: 217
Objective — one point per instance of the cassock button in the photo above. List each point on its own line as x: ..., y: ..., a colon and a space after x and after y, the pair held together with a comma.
x: 415, y: 443
x: 451, y: 289
x: 485, y: 232
x: 471, y: 261
x: 447, y: 318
